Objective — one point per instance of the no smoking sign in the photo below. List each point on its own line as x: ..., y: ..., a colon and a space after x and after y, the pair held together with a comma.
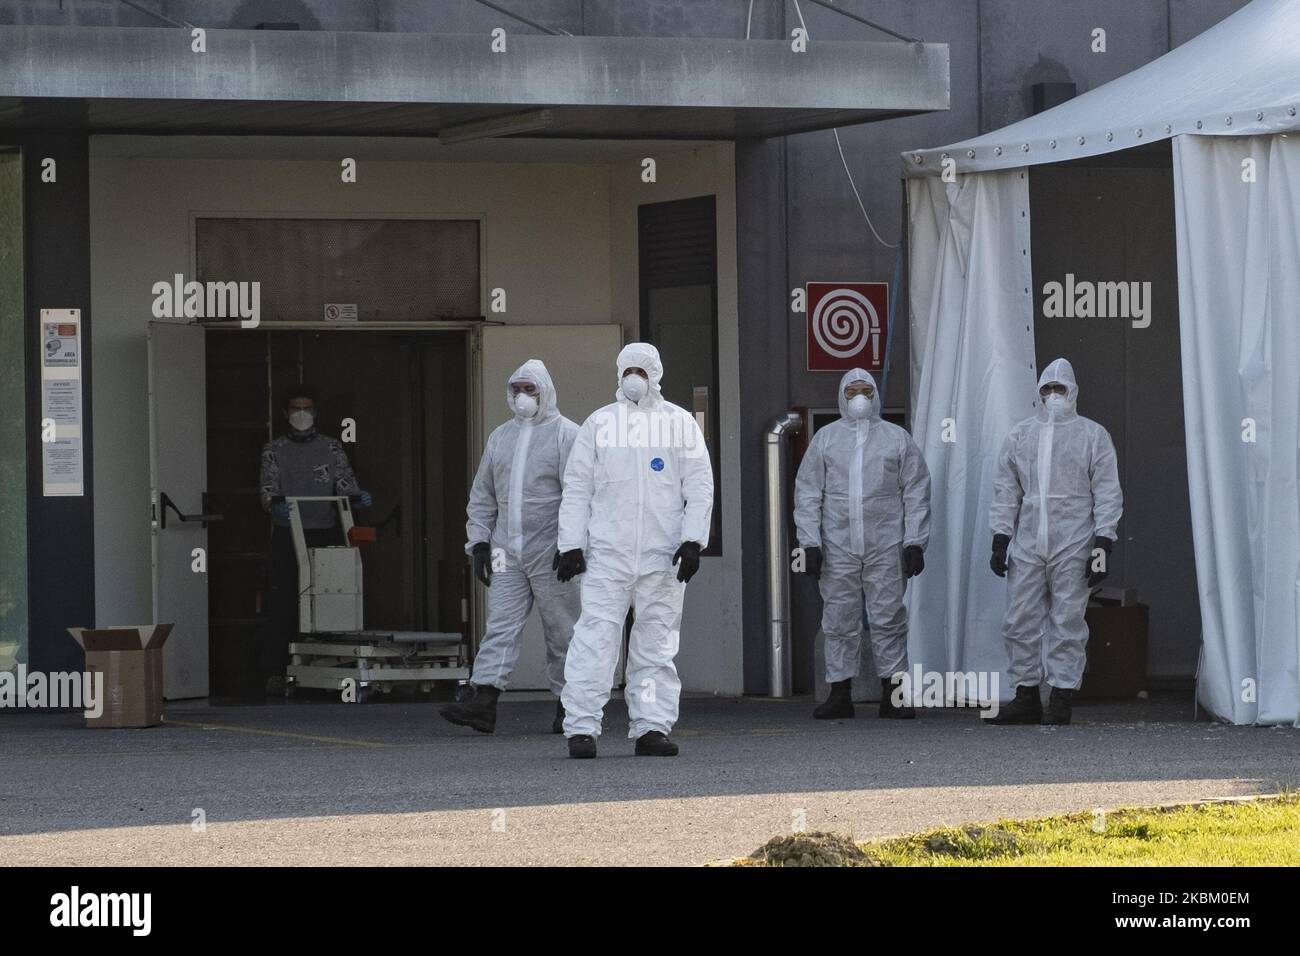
x: 848, y: 325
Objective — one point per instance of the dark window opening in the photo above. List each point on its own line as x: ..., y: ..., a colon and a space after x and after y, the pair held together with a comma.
x: 677, y: 246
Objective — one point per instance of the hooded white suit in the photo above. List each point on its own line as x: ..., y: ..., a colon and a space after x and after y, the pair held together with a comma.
x: 639, y: 484
x: 862, y: 495
x: 514, y: 504
x: 1055, y: 489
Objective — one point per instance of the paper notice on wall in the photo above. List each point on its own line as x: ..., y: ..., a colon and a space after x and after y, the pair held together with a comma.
x: 63, y: 467
x: 61, y: 344
x: 61, y: 401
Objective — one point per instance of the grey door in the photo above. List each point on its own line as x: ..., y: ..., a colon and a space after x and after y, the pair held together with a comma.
x: 178, y: 469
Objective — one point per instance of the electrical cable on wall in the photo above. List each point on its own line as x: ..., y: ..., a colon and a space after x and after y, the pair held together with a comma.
x: 896, y: 246
x: 839, y: 146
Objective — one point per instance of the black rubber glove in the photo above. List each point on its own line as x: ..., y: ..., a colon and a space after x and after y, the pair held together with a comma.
x: 999, y: 560
x: 913, y: 560
x: 569, y: 564
x: 1096, y: 577
x: 482, y: 555
x: 812, y: 562
x: 689, y: 557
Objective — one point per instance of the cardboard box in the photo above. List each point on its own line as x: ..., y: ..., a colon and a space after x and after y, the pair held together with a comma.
x: 130, y: 658
x: 1117, y: 651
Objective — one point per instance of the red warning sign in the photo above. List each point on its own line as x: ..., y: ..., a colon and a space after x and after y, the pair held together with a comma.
x: 848, y: 325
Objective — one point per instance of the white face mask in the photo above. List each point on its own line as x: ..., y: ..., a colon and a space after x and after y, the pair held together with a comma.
x: 859, y: 406
x: 525, y: 405
x: 302, y: 420
x: 1056, y: 403
x: 635, y: 387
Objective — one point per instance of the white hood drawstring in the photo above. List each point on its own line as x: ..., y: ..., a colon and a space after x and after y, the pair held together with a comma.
x: 859, y: 375
x: 534, y: 372
x: 645, y: 356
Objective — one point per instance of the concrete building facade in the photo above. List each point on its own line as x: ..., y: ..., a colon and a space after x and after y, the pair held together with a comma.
x: 562, y: 220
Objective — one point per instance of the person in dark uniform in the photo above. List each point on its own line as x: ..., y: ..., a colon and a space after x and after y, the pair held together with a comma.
x: 300, y: 462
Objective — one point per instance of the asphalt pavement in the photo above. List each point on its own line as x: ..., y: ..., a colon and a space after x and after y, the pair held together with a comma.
x: 392, y: 783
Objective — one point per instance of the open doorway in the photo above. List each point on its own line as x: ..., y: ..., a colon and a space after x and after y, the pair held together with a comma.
x: 1107, y: 224
x: 406, y: 396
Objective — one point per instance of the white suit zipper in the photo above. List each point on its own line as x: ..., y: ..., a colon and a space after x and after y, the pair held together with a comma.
x: 518, y: 470
x: 862, y: 430
x: 642, y: 463
x: 1045, y: 437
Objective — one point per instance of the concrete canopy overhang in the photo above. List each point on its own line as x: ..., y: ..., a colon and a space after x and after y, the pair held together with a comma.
x: 137, y: 80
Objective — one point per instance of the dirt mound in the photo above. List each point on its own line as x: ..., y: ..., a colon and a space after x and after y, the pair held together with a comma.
x: 811, y: 849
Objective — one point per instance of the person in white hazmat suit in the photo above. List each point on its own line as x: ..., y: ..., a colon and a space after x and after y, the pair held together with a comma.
x: 1056, y: 505
x: 638, y: 500
x: 862, y: 519
x: 513, y: 514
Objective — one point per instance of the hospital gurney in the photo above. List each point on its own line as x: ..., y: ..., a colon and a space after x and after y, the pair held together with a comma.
x: 334, y: 647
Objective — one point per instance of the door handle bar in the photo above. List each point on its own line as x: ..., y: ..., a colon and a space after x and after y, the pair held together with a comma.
x: 166, y: 502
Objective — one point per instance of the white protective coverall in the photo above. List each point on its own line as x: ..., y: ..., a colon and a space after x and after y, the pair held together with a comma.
x: 1055, y: 488
x: 862, y: 495
x: 638, y: 485
x: 514, y: 504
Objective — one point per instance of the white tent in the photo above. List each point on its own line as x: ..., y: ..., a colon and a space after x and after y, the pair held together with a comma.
x: 1228, y: 99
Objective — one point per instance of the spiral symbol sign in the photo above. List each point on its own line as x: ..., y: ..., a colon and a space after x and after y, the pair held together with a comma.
x: 842, y: 321
x: 847, y: 324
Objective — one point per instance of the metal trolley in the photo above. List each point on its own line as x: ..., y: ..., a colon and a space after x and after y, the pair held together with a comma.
x: 334, y: 647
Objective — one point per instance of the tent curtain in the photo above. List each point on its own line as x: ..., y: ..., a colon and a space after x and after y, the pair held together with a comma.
x: 1238, y: 293
x: 973, y: 377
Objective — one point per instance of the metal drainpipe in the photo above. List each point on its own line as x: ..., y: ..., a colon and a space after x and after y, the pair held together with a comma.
x: 778, y: 549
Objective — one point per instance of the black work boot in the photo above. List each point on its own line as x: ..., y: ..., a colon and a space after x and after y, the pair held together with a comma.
x: 479, y: 712
x: 1027, y: 708
x: 557, y: 725
x: 1058, y: 706
x: 655, y: 744
x: 838, y: 703
x: 582, y: 747
x: 888, y: 708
